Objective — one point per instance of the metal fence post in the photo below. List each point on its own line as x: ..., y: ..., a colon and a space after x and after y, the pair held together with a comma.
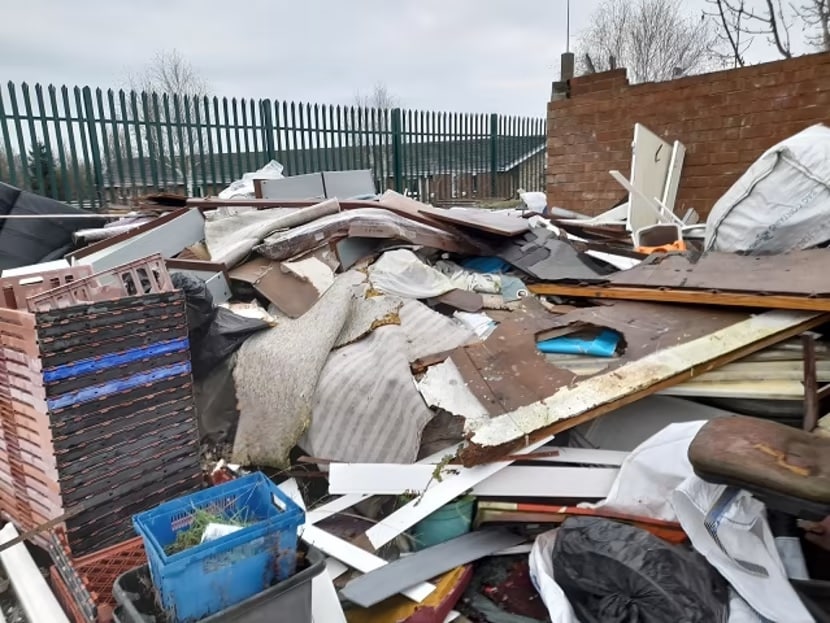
x: 267, y: 127
x: 94, y: 146
x: 494, y: 158
x: 397, y: 152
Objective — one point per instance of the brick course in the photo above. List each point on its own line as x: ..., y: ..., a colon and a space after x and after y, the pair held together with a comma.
x: 726, y: 119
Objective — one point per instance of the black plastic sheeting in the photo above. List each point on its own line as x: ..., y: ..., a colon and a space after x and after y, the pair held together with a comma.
x: 616, y: 573
x: 540, y: 254
x: 215, y: 332
x: 31, y: 241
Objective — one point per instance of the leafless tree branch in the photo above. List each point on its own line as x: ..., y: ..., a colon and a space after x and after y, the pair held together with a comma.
x: 816, y: 15
x: 654, y: 39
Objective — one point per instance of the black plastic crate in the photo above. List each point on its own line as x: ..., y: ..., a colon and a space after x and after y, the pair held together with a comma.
x: 288, y: 601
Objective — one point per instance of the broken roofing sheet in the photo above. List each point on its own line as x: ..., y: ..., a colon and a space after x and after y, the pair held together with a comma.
x: 489, y: 368
x: 794, y: 280
x: 566, y: 406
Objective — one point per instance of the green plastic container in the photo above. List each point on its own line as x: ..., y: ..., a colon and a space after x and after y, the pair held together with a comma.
x: 448, y: 522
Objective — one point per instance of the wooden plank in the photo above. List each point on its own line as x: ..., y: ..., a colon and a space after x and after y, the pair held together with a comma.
x: 480, y: 219
x: 513, y: 481
x: 597, y: 395
x: 765, y: 390
x: 688, y: 297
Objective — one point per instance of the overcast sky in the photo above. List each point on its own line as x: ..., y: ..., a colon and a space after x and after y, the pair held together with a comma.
x: 460, y: 55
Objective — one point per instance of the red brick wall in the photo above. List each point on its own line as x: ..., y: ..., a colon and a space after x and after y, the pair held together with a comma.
x: 726, y: 120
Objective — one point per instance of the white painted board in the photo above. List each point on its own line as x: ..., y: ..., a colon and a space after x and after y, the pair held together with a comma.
x: 650, y: 160
x: 514, y: 481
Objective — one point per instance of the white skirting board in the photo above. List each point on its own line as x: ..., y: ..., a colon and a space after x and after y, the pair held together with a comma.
x: 338, y: 505
x: 343, y: 551
x: 357, y: 558
x: 579, y: 455
x: 514, y: 481
x: 35, y: 597
x: 452, y: 486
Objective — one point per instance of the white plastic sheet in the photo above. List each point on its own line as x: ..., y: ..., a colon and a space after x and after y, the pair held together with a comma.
x: 781, y: 203
x: 656, y: 480
x: 402, y: 273
x: 244, y: 188
x: 535, y: 201
x: 541, y: 574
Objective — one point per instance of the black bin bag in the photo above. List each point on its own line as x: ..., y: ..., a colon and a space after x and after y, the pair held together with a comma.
x: 612, y: 572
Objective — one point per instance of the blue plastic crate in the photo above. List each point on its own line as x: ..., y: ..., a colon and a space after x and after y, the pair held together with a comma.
x: 213, y: 576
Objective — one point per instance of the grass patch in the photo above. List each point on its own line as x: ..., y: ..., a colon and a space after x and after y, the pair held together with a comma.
x: 202, y: 518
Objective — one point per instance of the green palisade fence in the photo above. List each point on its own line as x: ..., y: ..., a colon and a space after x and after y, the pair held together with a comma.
x: 91, y: 147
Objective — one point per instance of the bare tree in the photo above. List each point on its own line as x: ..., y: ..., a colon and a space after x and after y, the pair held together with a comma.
x: 373, y: 125
x: 741, y: 21
x: 816, y: 16
x: 4, y: 166
x: 170, y: 90
x: 653, y: 39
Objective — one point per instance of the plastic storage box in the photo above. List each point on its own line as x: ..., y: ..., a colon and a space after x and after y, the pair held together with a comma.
x: 213, y: 576
x: 288, y: 601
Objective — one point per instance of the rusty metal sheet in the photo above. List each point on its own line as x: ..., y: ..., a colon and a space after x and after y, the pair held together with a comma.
x: 507, y: 371
x: 801, y: 273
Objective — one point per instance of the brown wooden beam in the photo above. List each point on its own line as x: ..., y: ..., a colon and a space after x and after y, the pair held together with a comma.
x: 688, y: 297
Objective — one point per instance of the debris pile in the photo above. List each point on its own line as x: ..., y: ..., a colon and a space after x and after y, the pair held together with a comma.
x: 469, y: 410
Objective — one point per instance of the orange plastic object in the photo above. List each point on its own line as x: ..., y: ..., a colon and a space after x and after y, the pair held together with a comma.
x: 679, y: 245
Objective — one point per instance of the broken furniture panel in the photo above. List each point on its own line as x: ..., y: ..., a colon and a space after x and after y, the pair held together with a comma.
x: 294, y: 187
x: 586, y: 399
x: 168, y: 239
x: 347, y: 184
x: 532, y: 481
x: 214, y: 275
x: 453, y: 485
x: 786, y: 468
x: 436, y: 608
